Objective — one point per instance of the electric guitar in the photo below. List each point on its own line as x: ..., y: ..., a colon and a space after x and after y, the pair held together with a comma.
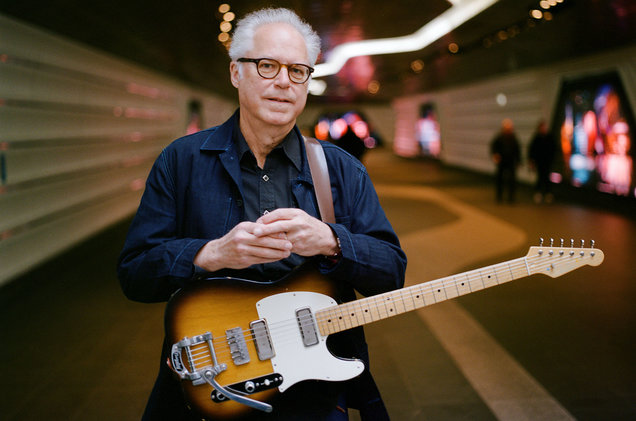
x: 236, y: 343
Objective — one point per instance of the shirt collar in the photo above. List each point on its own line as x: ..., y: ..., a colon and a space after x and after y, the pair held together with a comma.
x: 290, y: 145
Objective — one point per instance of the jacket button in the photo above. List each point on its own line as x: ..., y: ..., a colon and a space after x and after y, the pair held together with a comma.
x: 239, y: 203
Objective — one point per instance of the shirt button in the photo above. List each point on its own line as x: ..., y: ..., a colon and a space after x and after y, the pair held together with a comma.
x: 265, y: 177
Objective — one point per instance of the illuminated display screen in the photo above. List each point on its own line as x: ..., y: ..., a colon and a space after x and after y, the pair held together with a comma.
x: 428, y: 133
x: 595, y: 125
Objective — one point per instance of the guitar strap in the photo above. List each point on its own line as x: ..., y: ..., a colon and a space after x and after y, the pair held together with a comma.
x: 320, y: 176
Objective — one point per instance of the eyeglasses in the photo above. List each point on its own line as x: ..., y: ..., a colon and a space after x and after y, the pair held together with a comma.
x: 269, y: 68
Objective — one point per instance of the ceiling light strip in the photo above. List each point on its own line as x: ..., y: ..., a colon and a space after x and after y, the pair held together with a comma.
x: 459, y: 13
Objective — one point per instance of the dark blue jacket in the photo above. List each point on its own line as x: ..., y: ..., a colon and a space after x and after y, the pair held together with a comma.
x: 194, y: 194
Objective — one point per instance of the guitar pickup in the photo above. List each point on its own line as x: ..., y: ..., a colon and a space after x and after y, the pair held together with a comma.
x: 262, y: 340
x: 307, y: 326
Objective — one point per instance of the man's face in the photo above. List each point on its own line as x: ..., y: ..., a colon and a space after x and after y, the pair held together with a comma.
x: 277, y: 101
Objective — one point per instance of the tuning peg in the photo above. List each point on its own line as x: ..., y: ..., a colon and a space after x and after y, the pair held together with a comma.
x: 541, y: 242
x: 592, y: 243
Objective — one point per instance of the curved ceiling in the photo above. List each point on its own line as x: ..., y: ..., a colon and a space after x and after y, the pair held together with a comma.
x: 180, y: 38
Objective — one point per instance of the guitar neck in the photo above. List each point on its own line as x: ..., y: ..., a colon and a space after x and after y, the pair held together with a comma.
x: 551, y: 261
x: 378, y: 307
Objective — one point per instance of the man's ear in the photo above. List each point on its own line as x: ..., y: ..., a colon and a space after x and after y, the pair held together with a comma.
x: 234, y: 74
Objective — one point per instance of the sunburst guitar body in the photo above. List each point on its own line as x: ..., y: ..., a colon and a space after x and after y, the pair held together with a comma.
x: 237, y: 343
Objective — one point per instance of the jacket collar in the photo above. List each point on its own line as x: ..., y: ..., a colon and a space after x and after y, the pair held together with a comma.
x: 220, y: 139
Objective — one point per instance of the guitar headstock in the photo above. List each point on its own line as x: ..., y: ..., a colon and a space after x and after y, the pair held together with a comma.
x: 555, y: 261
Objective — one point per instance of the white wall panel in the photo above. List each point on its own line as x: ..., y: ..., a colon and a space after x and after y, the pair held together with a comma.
x: 470, y: 115
x: 79, y: 130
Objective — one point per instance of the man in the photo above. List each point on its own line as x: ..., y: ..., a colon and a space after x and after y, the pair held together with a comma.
x: 506, y: 154
x: 238, y: 200
x: 540, y: 158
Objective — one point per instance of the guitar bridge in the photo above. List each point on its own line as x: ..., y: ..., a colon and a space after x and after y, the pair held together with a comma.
x: 199, y: 345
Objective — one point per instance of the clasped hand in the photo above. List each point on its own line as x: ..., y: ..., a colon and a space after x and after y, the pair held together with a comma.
x: 274, y: 236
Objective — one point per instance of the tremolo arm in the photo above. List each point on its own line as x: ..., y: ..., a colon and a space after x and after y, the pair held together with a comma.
x: 207, y: 373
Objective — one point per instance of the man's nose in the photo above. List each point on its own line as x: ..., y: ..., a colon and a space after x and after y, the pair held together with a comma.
x: 283, y: 79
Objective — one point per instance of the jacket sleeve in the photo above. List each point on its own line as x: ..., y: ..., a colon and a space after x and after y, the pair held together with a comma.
x: 372, y: 260
x: 154, y: 261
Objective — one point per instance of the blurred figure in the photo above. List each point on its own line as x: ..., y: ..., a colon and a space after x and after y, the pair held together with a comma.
x: 506, y: 154
x: 352, y: 143
x: 540, y: 158
x: 195, y: 117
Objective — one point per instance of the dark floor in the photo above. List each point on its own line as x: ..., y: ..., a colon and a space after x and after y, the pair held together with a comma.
x: 74, y: 348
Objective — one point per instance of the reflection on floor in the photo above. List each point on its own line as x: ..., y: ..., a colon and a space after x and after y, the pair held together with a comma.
x: 538, y: 348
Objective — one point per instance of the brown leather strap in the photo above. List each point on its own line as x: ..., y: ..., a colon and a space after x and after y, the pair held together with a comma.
x: 320, y: 176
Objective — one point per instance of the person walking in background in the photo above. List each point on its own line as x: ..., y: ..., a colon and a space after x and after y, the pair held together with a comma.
x: 506, y: 154
x: 540, y: 158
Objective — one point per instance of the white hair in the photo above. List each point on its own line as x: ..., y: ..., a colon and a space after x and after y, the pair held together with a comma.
x: 243, y: 38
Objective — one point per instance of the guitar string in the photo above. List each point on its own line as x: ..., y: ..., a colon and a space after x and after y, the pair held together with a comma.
x: 274, y: 326
x: 286, y: 329
x: 386, y: 304
x: 518, y: 268
x: 442, y: 284
x: 514, y: 265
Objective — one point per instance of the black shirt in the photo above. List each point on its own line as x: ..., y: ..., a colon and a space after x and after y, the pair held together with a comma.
x: 269, y: 188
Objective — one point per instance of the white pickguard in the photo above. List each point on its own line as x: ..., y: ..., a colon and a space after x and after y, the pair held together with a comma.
x: 293, y: 360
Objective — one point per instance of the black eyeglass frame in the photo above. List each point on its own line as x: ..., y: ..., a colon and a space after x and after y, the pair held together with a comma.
x: 257, y: 61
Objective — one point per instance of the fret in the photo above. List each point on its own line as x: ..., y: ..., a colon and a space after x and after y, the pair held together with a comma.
x: 364, y: 313
x: 439, y: 292
x: 428, y: 296
x: 477, y: 283
x: 355, y: 314
x: 373, y: 310
x: 451, y: 288
x: 463, y: 286
x: 345, y: 317
x: 324, y: 323
x: 490, y: 277
x: 381, y: 306
x: 504, y: 273
x: 408, y: 300
x: 398, y: 299
x: 419, y: 297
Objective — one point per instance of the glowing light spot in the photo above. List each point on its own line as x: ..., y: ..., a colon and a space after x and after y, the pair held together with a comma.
x: 225, y: 26
x: 374, y: 87
x: 501, y: 99
x: 417, y: 66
